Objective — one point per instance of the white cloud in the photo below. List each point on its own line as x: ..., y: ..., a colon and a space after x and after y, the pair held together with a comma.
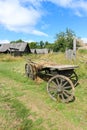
x: 62, y: 3
x: 4, y: 41
x: 84, y: 40
x: 24, y: 15
x: 16, y: 17
x: 38, y: 32
x: 35, y: 3
x: 78, y: 13
x: 29, y: 41
x: 78, y: 6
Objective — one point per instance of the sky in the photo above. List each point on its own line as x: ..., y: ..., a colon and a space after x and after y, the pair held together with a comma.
x: 41, y: 20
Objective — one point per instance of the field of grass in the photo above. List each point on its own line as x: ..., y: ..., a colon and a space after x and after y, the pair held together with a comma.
x: 26, y: 105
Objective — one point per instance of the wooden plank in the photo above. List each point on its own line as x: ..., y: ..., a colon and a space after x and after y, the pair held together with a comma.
x: 61, y: 67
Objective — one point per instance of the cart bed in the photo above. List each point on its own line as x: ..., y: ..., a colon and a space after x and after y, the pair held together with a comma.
x: 60, y: 67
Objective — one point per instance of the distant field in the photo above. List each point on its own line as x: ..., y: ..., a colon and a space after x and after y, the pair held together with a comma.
x: 25, y: 104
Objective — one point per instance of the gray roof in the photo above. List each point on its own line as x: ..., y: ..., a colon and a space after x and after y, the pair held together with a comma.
x: 40, y: 51
x: 20, y: 46
x: 4, y: 47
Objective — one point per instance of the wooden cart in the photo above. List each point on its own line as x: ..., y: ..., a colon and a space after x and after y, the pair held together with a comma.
x: 62, y: 79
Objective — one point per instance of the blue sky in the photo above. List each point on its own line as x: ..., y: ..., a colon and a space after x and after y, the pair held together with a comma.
x: 36, y: 20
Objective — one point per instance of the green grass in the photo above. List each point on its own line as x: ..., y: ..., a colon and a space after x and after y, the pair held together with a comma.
x: 83, y: 51
x: 25, y: 104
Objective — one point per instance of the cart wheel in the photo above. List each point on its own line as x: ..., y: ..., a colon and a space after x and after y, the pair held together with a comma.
x: 61, y: 88
x: 29, y: 71
x: 74, y: 78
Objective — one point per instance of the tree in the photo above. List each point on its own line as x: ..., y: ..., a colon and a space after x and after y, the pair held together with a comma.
x: 41, y: 44
x: 17, y: 41
x: 48, y: 45
x: 69, y: 38
x: 64, y: 40
x: 33, y: 45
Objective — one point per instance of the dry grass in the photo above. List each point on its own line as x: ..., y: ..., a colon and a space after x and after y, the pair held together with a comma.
x: 9, y: 58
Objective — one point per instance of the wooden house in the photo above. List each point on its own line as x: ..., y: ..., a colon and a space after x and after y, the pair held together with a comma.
x: 15, y: 48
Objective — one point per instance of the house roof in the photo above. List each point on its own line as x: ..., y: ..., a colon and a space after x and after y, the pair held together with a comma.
x: 4, y: 47
x: 40, y: 51
x: 19, y: 46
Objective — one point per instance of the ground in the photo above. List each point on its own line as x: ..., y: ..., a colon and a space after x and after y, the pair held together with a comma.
x: 26, y: 105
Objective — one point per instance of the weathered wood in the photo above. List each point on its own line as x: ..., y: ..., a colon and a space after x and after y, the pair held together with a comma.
x: 44, y: 64
x: 61, y: 67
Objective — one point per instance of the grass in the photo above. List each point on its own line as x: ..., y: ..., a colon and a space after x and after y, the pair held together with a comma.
x: 83, y: 51
x: 25, y: 104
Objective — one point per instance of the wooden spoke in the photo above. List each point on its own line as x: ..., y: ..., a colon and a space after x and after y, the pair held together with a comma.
x: 64, y: 85
x: 67, y: 87
x: 55, y: 94
x: 52, y: 88
x: 69, y: 92
x: 74, y: 78
x: 54, y: 83
x: 66, y: 94
x: 57, y: 81
x: 61, y: 96
x: 60, y: 82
